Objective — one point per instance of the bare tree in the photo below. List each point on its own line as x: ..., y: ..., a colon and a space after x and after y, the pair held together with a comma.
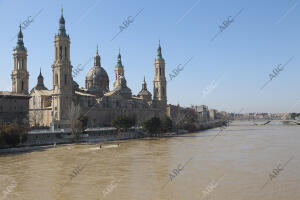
x: 179, y: 119
x: 35, y: 117
x: 72, y: 114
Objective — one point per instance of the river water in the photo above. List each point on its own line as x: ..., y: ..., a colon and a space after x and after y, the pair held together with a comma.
x: 242, y: 162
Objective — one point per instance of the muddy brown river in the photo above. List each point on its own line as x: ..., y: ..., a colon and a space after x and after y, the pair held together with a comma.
x: 241, y: 162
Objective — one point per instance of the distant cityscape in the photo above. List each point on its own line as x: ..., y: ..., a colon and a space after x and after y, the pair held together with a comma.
x: 213, y: 114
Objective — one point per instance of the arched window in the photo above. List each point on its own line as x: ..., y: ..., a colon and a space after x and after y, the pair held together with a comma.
x: 18, y: 64
x: 22, y: 67
x: 163, y: 91
x: 22, y: 86
x: 60, y: 52
x: 56, y: 54
x: 159, y: 71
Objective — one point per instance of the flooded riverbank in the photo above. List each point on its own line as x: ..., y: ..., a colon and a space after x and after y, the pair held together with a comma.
x: 230, y: 163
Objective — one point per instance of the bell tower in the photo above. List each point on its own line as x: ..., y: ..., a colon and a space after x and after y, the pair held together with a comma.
x: 159, y: 82
x: 20, y: 75
x: 62, y: 75
x: 119, y: 71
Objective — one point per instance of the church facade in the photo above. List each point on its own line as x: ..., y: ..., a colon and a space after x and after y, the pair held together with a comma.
x: 66, y: 99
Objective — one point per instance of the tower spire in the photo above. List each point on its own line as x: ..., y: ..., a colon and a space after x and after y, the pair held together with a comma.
x: 97, y: 59
x: 119, y: 72
x: 159, y: 55
x: 40, y: 84
x: 20, y: 43
x: 144, y: 85
x: 119, y: 63
x: 62, y: 29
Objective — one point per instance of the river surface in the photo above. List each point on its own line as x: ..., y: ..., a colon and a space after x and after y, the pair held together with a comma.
x: 241, y: 162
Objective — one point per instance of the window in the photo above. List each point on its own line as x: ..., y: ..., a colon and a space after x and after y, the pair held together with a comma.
x: 65, y: 78
x: 22, y: 67
x: 159, y: 71
x: 22, y: 87
x: 56, y: 79
x: 66, y: 53
x: 156, y: 71
x: 60, y: 53
x: 33, y: 100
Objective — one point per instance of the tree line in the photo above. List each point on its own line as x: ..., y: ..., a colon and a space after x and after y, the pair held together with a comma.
x: 155, y: 125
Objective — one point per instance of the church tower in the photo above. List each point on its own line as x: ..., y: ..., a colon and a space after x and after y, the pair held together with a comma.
x: 119, y: 71
x: 159, y: 83
x: 62, y: 76
x: 20, y: 75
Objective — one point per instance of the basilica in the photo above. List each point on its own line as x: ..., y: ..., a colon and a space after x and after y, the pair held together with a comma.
x: 57, y: 106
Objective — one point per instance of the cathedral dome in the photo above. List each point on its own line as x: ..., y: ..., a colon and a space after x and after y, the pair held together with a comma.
x: 144, y: 93
x: 40, y: 84
x: 97, y: 78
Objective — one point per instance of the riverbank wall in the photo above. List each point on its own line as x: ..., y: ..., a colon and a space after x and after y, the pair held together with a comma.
x: 45, y: 139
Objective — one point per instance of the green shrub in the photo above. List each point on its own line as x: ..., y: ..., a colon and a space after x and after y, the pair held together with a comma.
x: 152, y: 125
x: 123, y: 122
x: 166, y: 124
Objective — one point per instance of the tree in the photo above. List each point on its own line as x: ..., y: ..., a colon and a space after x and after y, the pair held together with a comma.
x: 2, y: 139
x: 293, y: 116
x: 152, y: 125
x: 35, y: 117
x: 166, y: 124
x: 186, y: 120
x: 84, y: 122
x: 123, y: 122
x: 13, y: 134
x: 179, y: 120
x: 189, y: 124
x: 73, y: 114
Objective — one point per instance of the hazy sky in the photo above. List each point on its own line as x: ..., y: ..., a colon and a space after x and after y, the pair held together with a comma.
x: 226, y: 73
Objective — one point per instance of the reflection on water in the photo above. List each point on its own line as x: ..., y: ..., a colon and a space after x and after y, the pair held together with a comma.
x: 235, y: 165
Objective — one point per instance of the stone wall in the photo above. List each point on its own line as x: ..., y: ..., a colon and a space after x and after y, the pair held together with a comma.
x: 13, y: 107
x: 59, y: 137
